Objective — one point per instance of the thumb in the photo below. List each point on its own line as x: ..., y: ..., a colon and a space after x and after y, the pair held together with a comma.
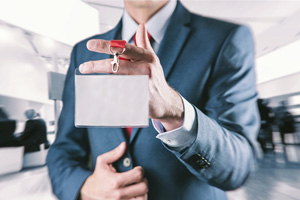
x: 142, y: 38
x: 112, y: 156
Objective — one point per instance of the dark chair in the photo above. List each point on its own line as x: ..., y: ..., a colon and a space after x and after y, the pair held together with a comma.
x: 7, y: 129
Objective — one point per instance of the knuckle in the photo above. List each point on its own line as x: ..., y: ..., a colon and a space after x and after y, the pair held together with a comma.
x: 96, y: 44
x: 146, y: 70
x: 99, y: 159
x: 147, y: 67
x: 115, y: 183
x: 145, y: 197
x: 101, y: 44
x: 142, y: 51
x: 152, y: 57
x: 144, y: 187
x: 139, y: 174
x: 140, y: 169
x: 108, y: 63
x: 117, y: 194
x: 92, y: 66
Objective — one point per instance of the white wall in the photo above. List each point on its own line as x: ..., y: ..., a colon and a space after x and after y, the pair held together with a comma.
x: 22, y: 73
x: 68, y: 21
x: 286, y: 88
x: 280, y: 86
x: 23, y: 76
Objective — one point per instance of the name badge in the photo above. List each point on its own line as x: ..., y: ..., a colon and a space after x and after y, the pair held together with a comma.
x: 111, y: 100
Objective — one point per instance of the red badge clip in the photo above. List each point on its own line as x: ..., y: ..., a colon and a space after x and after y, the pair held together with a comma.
x: 115, y: 62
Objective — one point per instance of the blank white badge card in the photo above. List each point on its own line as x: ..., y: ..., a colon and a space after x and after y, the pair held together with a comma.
x: 111, y: 100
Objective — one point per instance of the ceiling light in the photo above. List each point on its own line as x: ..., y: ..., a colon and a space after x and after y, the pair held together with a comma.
x: 49, y: 66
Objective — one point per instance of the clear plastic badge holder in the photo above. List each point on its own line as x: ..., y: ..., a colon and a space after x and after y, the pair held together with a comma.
x: 111, y: 100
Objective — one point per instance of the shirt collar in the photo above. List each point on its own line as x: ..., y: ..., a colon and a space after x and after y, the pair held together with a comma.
x: 156, y: 26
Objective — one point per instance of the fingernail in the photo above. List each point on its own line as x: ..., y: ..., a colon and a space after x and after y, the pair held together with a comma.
x: 83, y: 67
x: 92, y: 44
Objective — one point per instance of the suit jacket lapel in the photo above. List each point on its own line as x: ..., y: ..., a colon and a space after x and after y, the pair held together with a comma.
x: 111, y: 137
x: 171, y: 45
x: 174, y: 39
x: 134, y: 132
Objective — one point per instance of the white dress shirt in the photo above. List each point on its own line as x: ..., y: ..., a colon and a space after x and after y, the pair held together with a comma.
x: 185, y: 135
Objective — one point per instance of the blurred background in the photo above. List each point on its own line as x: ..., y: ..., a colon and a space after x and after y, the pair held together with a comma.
x: 36, y: 39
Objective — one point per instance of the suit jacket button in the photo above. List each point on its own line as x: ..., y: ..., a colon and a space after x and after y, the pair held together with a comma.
x: 126, y: 162
x: 200, y: 162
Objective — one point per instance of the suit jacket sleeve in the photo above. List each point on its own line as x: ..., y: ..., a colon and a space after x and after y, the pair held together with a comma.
x: 223, y: 152
x: 68, y: 156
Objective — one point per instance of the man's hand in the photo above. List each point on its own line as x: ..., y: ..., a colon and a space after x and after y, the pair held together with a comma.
x: 105, y: 183
x: 165, y: 104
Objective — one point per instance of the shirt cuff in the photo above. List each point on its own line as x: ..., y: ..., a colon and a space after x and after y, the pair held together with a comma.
x: 182, y: 136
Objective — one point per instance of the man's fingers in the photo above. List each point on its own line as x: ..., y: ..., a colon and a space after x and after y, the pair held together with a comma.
x: 142, y: 38
x: 142, y: 197
x: 104, y: 66
x: 135, y: 190
x: 130, y: 177
x: 131, y: 51
x: 112, y: 156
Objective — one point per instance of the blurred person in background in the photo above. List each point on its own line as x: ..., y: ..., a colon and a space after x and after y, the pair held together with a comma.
x: 284, y: 120
x: 265, y: 135
x: 202, y: 102
x: 35, y: 132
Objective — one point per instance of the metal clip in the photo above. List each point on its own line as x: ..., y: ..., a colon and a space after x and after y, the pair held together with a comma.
x: 115, y: 63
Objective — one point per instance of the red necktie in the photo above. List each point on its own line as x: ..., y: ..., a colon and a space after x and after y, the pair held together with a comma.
x: 128, y: 130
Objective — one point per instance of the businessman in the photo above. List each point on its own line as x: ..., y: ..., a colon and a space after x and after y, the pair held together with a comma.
x: 35, y: 132
x: 202, y: 102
